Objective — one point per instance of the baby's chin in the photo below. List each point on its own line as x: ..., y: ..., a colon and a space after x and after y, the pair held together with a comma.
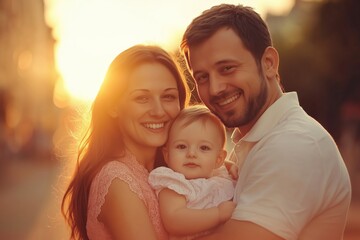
x: 195, y: 176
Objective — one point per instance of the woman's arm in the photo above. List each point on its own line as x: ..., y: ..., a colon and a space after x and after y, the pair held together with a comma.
x: 180, y: 220
x: 125, y: 215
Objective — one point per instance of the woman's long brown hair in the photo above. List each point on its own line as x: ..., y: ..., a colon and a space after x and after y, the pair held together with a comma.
x: 102, y: 139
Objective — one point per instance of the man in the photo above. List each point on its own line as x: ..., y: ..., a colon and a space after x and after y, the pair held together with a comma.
x: 292, y: 182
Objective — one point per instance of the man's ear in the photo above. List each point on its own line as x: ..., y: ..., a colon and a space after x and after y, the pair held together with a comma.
x: 270, y: 62
x: 221, y: 158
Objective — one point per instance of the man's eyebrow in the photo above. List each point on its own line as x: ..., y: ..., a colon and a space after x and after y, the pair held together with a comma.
x: 220, y: 62
x: 224, y: 61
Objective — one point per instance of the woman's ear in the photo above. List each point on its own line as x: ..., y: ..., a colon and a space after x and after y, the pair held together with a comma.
x: 221, y: 158
x: 113, y: 112
x: 270, y: 63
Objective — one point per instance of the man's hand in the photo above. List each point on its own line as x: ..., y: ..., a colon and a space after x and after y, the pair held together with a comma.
x: 225, y: 210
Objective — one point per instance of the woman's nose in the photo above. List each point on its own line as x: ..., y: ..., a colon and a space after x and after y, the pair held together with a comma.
x: 157, y: 108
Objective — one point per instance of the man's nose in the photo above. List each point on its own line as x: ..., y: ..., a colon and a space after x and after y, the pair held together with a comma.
x: 216, y: 85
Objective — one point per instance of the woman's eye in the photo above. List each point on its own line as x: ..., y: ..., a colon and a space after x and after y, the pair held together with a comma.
x: 141, y: 99
x: 170, y: 97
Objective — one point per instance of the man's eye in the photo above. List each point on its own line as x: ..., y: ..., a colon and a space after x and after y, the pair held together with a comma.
x: 201, y: 78
x: 228, y: 69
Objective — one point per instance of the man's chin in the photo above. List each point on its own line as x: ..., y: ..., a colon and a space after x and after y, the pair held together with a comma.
x: 227, y: 119
x: 230, y: 122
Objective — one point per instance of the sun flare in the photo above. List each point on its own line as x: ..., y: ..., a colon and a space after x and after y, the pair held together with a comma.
x: 90, y: 34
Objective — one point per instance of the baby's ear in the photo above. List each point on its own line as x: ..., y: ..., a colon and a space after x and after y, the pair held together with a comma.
x: 221, y: 158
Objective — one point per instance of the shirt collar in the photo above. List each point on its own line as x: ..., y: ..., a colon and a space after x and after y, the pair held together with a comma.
x: 268, y: 119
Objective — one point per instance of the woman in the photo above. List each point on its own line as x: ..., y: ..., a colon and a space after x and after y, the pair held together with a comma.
x: 109, y: 196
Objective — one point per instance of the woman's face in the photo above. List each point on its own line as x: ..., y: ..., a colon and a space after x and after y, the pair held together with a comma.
x: 148, y: 106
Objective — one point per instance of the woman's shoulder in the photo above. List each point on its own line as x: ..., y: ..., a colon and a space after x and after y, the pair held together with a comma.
x: 112, y: 170
x: 126, y: 165
x: 108, y: 173
x: 114, y: 166
x: 100, y: 187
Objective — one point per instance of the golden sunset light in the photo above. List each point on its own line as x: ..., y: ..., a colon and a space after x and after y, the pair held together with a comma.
x: 60, y: 150
x: 90, y: 34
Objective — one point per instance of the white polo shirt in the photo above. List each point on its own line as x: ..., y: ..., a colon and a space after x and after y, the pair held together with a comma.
x: 293, y: 180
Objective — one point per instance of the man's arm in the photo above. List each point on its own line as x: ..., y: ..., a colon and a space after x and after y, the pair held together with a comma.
x: 234, y: 229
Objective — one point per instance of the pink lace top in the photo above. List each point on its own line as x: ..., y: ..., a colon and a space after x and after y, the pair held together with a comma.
x: 135, y: 175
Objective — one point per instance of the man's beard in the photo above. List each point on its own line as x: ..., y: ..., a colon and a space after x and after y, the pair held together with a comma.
x: 253, y: 108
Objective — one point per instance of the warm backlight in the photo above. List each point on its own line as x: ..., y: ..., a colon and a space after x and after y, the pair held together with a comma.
x: 90, y: 33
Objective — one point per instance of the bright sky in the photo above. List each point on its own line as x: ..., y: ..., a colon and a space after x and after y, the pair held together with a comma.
x: 90, y: 33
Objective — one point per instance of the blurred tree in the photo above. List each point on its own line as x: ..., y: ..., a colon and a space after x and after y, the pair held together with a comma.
x: 322, y: 63
x: 336, y: 33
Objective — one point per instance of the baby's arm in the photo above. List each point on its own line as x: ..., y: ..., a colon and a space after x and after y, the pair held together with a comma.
x: 180, y: 220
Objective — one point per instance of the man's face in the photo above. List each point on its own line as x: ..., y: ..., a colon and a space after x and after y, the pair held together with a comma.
x: 228, y: 80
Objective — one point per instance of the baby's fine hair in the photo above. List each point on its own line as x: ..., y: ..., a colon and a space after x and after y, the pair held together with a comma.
x: 201, y: 113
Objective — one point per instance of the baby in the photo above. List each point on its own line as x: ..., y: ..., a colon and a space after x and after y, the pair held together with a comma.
x: 195, y: 192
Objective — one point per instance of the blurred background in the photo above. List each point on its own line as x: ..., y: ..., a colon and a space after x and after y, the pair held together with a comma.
x: 54, y: 53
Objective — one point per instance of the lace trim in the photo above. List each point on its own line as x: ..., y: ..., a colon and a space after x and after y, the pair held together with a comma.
x: 136, y: 176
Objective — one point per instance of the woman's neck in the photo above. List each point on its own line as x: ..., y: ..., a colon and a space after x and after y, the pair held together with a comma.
x: 144, y: 156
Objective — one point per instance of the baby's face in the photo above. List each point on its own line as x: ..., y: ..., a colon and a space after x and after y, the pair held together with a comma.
x: 194, y: 150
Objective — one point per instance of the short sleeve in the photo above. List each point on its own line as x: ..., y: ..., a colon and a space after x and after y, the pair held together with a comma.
x: 99, y: 189
x: 279, y: 190
x: 163, y: 177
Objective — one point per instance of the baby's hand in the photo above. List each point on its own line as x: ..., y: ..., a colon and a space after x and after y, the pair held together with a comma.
x: 232, y: 169
x: 225, y: 210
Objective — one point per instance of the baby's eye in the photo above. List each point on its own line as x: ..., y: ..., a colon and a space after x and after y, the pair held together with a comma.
x: 205, y: 148
x: 180, y: 146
